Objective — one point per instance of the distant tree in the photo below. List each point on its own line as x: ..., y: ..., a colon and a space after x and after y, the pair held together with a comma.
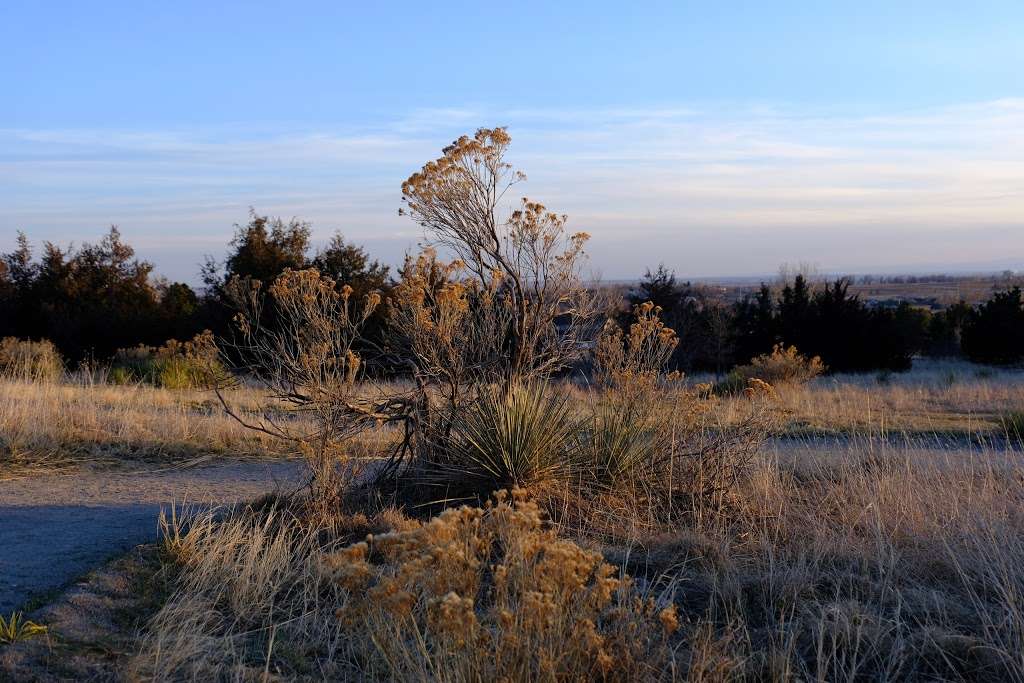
x: 660, y: 288
x: 899, y: 334
x: 754, y: 325
x: 945, y: 329
x: 89, y: 302
x: 994, y: 332
x: 349, y: 264
x: 179, y: 310
x: 794, y: 313
x: 261, y: 250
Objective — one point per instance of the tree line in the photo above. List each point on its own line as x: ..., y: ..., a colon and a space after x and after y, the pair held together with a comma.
x: 92, y: 300
x: 828, y: 321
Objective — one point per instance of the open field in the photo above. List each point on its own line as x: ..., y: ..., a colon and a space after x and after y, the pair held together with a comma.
x: 936, y: 400
x: 53, y: 425
x: 876, y: 536
x: 45, y: 426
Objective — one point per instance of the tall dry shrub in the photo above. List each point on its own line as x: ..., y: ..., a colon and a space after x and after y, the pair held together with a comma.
x: 510, y: 308
x: 529, y: 260
x: 30, y: 361
x: 308, y: 362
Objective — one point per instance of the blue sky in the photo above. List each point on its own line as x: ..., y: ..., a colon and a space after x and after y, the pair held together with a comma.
x: 720, y: 138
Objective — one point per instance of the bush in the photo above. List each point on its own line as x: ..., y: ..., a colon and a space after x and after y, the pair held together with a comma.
x: 619, y: 440
x: 474, y: 594
x: 782, y: 366
x: 175, y: 365
x: 490, y: 594
x: 30, y: 361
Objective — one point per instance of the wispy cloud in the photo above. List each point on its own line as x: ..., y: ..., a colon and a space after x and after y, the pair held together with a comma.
x: 707, y: 190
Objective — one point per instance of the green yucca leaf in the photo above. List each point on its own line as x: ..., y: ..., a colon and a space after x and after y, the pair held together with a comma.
x: 16, y: 628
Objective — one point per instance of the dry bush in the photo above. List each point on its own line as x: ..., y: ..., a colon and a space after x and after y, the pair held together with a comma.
x: 307, y: 360
x: 474, y: 594
x: 653, y: 443
x: 193, y: 364
x: 29, y: 361
x: 784, y: 365
x: 528, y: 260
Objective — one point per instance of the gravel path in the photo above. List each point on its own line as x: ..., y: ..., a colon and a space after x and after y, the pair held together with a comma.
x: 54, y: 528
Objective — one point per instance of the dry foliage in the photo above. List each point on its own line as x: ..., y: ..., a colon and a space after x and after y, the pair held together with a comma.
x: 784, y: 365
x: 474, y: 594
x: 30, y: 361
x: 307, y: 360
x: 529, y: 262
x: 193, y: 364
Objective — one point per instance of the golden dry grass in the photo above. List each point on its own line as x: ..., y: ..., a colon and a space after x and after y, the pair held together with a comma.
x: 77, y: 422
x: 936, y: 398
x: 898, y: 566
x: 51, y: 425
x: 838, y: 559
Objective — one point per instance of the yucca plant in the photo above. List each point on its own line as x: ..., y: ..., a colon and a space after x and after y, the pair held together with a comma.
x: 17, y: 628
x: 513, y: 437
x: 619, y: 440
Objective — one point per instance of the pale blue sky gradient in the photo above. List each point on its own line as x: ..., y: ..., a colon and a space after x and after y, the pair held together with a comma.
x: 720, y: 138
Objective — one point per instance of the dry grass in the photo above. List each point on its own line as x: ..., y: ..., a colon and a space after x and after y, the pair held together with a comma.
x: 835, y: 566
x: 50, y: 425
x: 897, y: 566
x: 937, y: 398
x: 838, y: 559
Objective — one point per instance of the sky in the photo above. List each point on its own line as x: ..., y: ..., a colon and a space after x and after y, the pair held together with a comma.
x: 718, y: 138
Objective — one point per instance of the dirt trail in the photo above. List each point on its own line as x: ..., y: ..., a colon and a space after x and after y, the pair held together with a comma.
x: 54, y: 528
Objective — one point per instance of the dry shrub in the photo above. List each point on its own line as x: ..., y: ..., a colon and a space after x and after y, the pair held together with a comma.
x: 530, y: 255
x: 474, y: 594
x: 489, y: 594
x: 175, y: 365
x: 29, y: 361
x: 307, y: 360
x: 784, y: 365
x: 655, y: 445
